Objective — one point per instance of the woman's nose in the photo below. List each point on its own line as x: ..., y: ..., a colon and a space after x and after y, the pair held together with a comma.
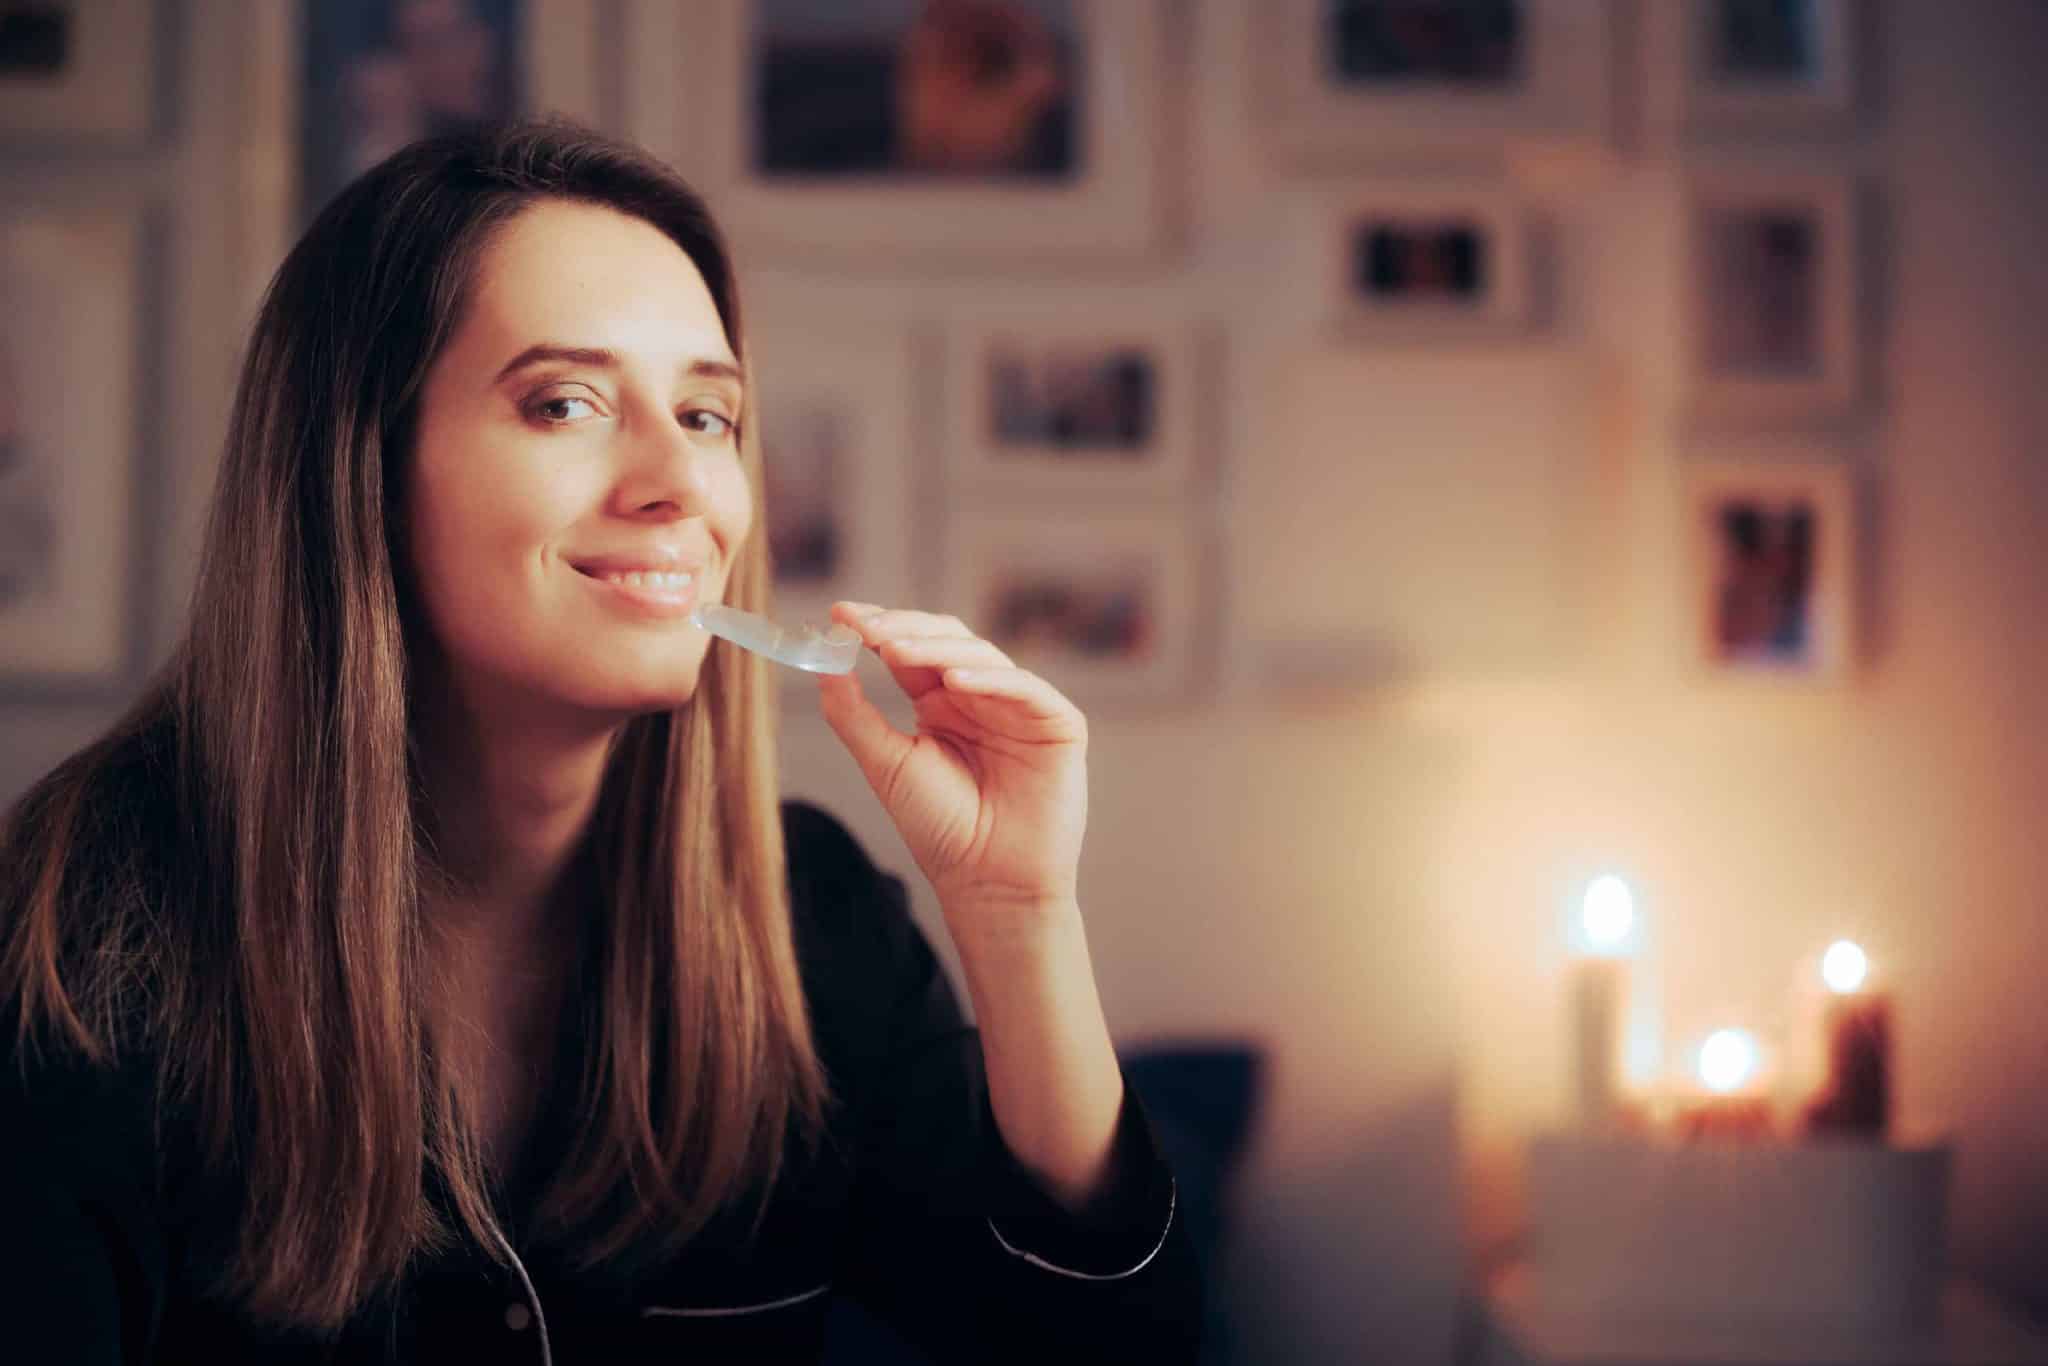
x: 667, y: 472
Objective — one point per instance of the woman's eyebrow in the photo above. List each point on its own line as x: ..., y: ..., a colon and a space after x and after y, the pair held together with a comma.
x: 603, y: 358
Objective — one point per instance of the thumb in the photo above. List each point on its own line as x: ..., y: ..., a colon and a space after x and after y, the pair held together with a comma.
x: 876, y: 745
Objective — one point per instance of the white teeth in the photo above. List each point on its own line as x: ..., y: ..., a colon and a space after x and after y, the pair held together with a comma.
x: 660, y: 580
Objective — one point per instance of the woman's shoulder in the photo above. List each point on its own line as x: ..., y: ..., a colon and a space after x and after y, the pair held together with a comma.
x: 76, y: 1122
x: 118, y: 800
x: 103, y: 818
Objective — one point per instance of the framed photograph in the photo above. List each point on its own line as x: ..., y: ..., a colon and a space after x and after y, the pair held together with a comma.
x: 334, y: 86
x: 1427, y: 261
x: 1072, y: 408
x: 70, y: 275
x: 78, y: 69
x: 1767, y: 62
x: 1770, y: 309
x: 381, y: 74
x: 1770, y: 538
x: 834, y: 414
x: 1410, y: 81
x: 1104, y: 606
x: 963, y: 128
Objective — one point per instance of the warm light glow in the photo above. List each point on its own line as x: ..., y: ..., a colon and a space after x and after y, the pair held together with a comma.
x: 1844, y: 967
x: 1727, y: 1060
x: 1608, y: 913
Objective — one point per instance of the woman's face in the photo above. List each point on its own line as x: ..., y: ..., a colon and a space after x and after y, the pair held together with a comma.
x: 565, y: 513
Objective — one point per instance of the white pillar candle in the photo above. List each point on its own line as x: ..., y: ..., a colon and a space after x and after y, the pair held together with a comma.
x: 1597, y: 991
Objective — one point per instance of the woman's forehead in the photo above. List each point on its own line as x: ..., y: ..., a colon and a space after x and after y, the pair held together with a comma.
x: 579, y: 275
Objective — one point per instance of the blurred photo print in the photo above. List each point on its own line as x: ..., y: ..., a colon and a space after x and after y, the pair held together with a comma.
x: 1773, y: 331
x: 69, y: 272
x: 1763, y: 290
x: 838, y: 461
x: 1763, y: 582
x: 1102, y: 603
x: 948, y: 89
x: 1066, y: 399
x: 1404, y: 260
x: 1773, y: 563
x: 804, y: 456
x: 1080, y: 404
x: 1419, y: 261
x: 1407, y: 43
x: 1764, y: 41
x: 1763, y: 65
x: 1102, y: 613
x: 35, y: 39
x: 28, y: 515
x: 381, y: 73
x: 80, y: 69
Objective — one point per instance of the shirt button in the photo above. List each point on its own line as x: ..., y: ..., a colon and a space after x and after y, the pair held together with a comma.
x: 517, y: 1316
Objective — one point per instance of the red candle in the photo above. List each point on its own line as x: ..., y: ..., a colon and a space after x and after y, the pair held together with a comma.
x: 1856, y: 1098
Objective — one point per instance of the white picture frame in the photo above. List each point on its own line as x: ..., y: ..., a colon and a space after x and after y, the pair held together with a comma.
x: 71, y: 273
x: 834, y: 408
x: 486, y: 60
x: 1425, y: 262
x: 1082, y: 404
x: 1083, y: 570
x: 105, y: 89
x: 696, y: 110
x: 561, y: 69
x: 1770, y: 552
x: 1722, y: 88
x: 1769, y: 315
x: 1308, y: 115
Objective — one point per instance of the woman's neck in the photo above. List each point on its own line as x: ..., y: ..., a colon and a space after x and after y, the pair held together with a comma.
x: 509, y: 803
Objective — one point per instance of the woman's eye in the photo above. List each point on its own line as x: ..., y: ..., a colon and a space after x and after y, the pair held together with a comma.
x: 721, y: 425
x: 541, y: 409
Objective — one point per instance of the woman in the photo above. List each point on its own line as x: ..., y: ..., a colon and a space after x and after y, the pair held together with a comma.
x: 426, y: 964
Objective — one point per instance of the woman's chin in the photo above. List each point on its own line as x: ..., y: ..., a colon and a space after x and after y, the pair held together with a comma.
x: 630, y: 697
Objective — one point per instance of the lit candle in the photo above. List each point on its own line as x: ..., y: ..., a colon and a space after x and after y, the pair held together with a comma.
x: 1728, y: 1061
x: 1729, y: 1069
x: 1856, y: 1097
x: 1598, y: 991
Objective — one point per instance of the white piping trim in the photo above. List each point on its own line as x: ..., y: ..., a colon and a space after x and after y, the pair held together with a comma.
x: 1172, y: 1199
x: 662, y: 1311
x: 547, y: 1357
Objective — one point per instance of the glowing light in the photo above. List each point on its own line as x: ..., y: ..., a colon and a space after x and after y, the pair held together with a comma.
x: 1844, y: 967
x: 1728, y: 1059
x: 1608, y: 912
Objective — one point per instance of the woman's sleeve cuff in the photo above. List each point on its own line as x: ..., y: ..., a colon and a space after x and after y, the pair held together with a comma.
x: 1116, y: 1234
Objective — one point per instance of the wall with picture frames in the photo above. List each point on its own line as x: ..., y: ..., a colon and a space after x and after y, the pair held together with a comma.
x: 1402, y: 217
x: 1437, y: 458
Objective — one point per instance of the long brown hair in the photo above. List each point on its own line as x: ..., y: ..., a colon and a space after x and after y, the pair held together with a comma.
x: 231, y: 877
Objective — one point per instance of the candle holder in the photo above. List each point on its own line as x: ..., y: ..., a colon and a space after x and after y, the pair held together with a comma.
x: 1726, y: 1119
x: 1846, y: 1239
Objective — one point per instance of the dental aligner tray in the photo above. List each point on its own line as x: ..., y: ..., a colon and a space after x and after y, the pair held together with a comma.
x: 833, y: 651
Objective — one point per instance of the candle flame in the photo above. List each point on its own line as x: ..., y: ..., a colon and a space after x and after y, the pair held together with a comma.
x: 1727, y: 1060
x: 1608, y: 912
x: 1844, y: 967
